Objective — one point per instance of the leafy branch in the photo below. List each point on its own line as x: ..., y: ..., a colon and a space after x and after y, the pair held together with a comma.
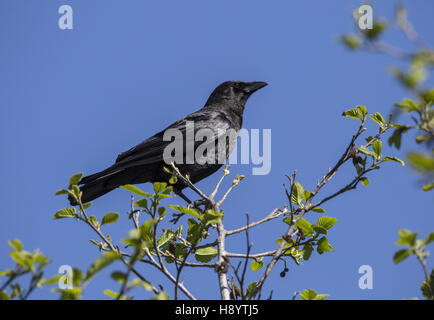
x: 162, y: 247
x: 27, y: 264
x: 416, y: 247
x: 419, y: 109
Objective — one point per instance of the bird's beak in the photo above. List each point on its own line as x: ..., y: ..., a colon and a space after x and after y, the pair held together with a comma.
x: 254, y: 86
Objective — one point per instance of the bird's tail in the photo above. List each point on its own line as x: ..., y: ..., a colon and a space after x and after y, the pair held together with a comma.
x: 91, y: 191
x: 98, y: 184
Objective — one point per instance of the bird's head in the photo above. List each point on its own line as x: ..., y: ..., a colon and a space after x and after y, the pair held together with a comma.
x: 235, y: 93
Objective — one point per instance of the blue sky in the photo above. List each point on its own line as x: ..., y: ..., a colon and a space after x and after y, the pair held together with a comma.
x: 72, y: 100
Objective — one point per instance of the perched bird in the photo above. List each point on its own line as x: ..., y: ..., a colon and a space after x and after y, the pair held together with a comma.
x: 223, y: 111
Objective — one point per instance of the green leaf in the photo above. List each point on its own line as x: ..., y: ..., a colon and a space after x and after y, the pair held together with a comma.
x: 109, y: 218
x: 377, y: 145
x: 305, y: 226
x: 251, y: 289
x: 50, y: 281
x: 164, y: 194
x: 75, y: 191
x: 70, y: 294
x: 287, y: 220
x: 143, y: 203
x: 206, y: 254
x: 194, y: 232
x: 428, y: 187
x: 320, y: 230
x: 161, y: 211
x: 323, y: 245
x: 100, y: 263
x: 61, y: 191
x: 366, y: 151
x: 166, y: 237
x: 308, y: 294
x: 178, y: 232
x: 160, y: 296
x: 143, y: 237
x: 410, y: 79
x: 21, y: 258
x: 190, y: 211
x: 427, y: 287
x: 429, y: 239
x: 327, y: 222
x: 16, y: 244
x: 4, y: 296
x: 358, y: 113
x: 94, y: 221
x: 143, y: 284
x: 428, y: 96
x: 159, y: 186
x: 408, y: 105
x: 378, y: 118
x: 318, y: 210
x: 297, y: 193
x: 256, y: 264
x: 173, y: 179
x: 119, y: 276
x: 393, y: 159
x: 321, y: 296
x: 401, y: 255
x: 135, y: 190
x: 363, y: 110
x: 179, y: 250
x: 421, y: 162
x: 6, y: 273
x: 406, y: 238
x: 212, y: 216
x: 307, y: 251
x: 396, y: 137
x: 376, y: 30
x: 422, y: 138
x: 65, y: 213
x: 352, y: 42
x: 114, y: 294
x: 365, y: 181
x: 77, y: 277
x: 87, y: 205
x: 75, y: 179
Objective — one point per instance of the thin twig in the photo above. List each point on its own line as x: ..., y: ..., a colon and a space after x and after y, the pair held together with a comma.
x: 180, y: 267
x: 246, y: 261
x: 303, y: 210
x: 272, y: 215
x: 232, y: 187
x: 112, y: 247
x: 222, y: 263
x: 187, y: 182
x: 32, y: 286
x: 217, y: 187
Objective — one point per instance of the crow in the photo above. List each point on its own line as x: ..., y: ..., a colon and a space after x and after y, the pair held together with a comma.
x: 145, y: 162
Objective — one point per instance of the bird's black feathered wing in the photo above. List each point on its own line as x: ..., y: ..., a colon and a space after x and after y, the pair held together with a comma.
x: 150, y: 151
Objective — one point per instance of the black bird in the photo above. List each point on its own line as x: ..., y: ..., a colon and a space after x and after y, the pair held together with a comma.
x: 144, y: 162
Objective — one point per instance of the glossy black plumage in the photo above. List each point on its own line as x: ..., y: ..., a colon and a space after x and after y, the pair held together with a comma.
x: 144, y: 162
